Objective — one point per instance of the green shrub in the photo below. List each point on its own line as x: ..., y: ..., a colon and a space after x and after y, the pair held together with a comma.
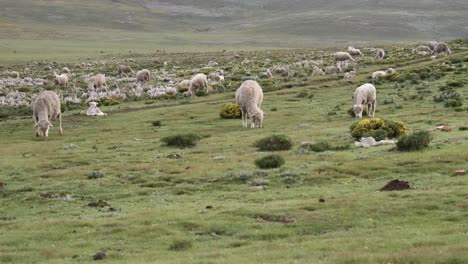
x: 416, y: 141
x: 110, y: 101
x: 7, y: 112
x: 274, y: 143
x: 201, y: 93
x: 455, y: 83
x: 157, y: 123
x: 270, y: 162
x: 392, y: 128
x: 95, y: 175
x: 352, y: 114
x: 230, y: 111
x: 182, y: 89
x: 379, y: 134
x: 180, y: 245
x: 182, y: 140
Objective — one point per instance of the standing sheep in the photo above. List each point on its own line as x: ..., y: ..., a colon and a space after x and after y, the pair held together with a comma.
x: 45, y: 107
x: 380, y: 53
x: 249, y: 97
x: 353, y: 51
x: 198, y: 82
x: 125, y: 70
x: 97, y: 81
x: 61, y: 80
x: 431, y: 44
x: 365, y: 94
x: 441, y: 48
x: 143, y: 75
x: 342, y: 56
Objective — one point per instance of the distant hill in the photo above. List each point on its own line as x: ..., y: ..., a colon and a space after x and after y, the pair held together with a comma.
x: 263, y: 23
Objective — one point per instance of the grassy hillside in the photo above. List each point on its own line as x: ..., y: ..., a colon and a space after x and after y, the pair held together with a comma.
x: 162, y: 204
x: 224, y: 24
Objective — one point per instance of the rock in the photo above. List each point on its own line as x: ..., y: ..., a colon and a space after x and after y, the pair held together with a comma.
x: 256, y: 188
x: 321, y: 200
x: 100, y: 255
x: 460, y: 172
x: 444, y: 128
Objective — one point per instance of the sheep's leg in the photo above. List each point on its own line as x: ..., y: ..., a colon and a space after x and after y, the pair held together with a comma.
x: 252, y: 122
x: 244, y: 119
x: 60, y: 123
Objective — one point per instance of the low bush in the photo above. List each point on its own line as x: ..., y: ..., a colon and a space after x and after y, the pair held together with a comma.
x: 270, y: 162
x: 230, y: 111
x: 415, y: 141
x: 322, y: 146
x: 393, y: 129
x: 110, y: 101
x: 7, y: 112
x: 274, y: 143
x: 95, y: 175
x: 180, y: 245
x: 182, y: 140
x: 157, y: 123
x: 200, y: 93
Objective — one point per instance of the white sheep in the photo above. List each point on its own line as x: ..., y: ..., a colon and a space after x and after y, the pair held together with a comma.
x: 350, y: 74
x: 93, y: 110
x: 125, y: 70
x: 198, y: 82
x: 353, y: 51
x: 332, y: 69
x: 97, y: 81
x: 143, y: 75
x: 184, y: 83
x: 342, y: 56
x: 317, y: 71
x: 431, y: 44
x: 217, y: 76
x: 441, y: 48
x: 376, y: 75
x: 249, y: 97
x: 422, y: 49
x: 66, y: 70
x: 61, y: 80
x: 365, y: 94
x: 380, y: 53
x: 45, y: 107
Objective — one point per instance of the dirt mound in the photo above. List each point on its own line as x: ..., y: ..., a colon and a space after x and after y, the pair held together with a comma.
x: 396, y: 185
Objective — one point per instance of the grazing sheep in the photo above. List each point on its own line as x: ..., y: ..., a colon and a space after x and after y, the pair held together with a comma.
x: 66, y: 70
x: 380, y: 53
x: 93, y: 110
x: 332, y: 69
x: 353, y: 51
x: 184, y: 83
x: 97, y: 81
x: 143, y: 75
x: 377, y: 74
x: 441, y: 48
x: 342, y: 56
x: 431, y: 44
x: 45, y: 107
x: 125, y: 70
x: 365, y: 94
x: 317, y: 71
x: 350, y: 74
x: 198, y: 82
x: 217, y: 76
x: 422, y: 49
x: 61, y: 80
x: 249, y: 97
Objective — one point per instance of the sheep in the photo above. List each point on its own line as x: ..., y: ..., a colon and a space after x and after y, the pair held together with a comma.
x: 125, y: 70
x: 350, y: 74
x: 317, y: 71
x: 377, y: 74
x: 143, y: 75
x: 332, y: 69
x: 217, y: 76
x: 365, y: 94
x: 249, y: 97
x: 97, y: 81
x: 342, y: 56
x: 184, y: 83
x: 441, y: 48
x: 66, y: 70
x: 380, y: 53
x: 353, y: 51
x: 198, y: 82
x: 45, y: 107
x: 93, y: 110
x: 431, y: 44
x: 390, y: 71
x: 266, y: 74
x: 61, y: 80
x: 422, y: 49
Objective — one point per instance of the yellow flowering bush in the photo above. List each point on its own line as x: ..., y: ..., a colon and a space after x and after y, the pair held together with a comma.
x: 230, y: 111
x: 371, y: 126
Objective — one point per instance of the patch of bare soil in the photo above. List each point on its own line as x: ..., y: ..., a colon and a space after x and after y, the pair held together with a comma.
x: 396, y: 185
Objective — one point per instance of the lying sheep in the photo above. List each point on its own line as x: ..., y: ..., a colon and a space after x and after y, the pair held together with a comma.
x: 143, y: 75
x: 421, y: 49
x: 198, y: 82
x: 266, y: 74
x: 353, y: 51
x: 332, y: 69
x: 61, y: 80
x: 376, y: 75
x: 97, y: 81
x: 365, y: 94
x: 350, y: 74
x: 124, y: 70
x: 217, y: 76
x: 441, y: 48
x: 342, y: 56
x: 317, y: 71
x: 380, y: 53
x: 431, y: 44
x: 45, y: 107
x: 249, y: 97
x: 93, y: 110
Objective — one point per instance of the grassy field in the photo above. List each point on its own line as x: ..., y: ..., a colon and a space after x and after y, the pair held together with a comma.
x: 162, y: 204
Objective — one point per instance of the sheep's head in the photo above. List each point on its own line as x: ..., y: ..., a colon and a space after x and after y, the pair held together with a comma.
x: 42, y: 128
x: 94, y: 104
x: 257, y: 119
x: 358, y: 110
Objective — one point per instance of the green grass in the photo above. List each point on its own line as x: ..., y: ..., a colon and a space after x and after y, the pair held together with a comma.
x: 201, y: 207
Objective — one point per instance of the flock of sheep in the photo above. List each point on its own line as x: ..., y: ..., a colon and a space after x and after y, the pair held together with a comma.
x: 249, y: 95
